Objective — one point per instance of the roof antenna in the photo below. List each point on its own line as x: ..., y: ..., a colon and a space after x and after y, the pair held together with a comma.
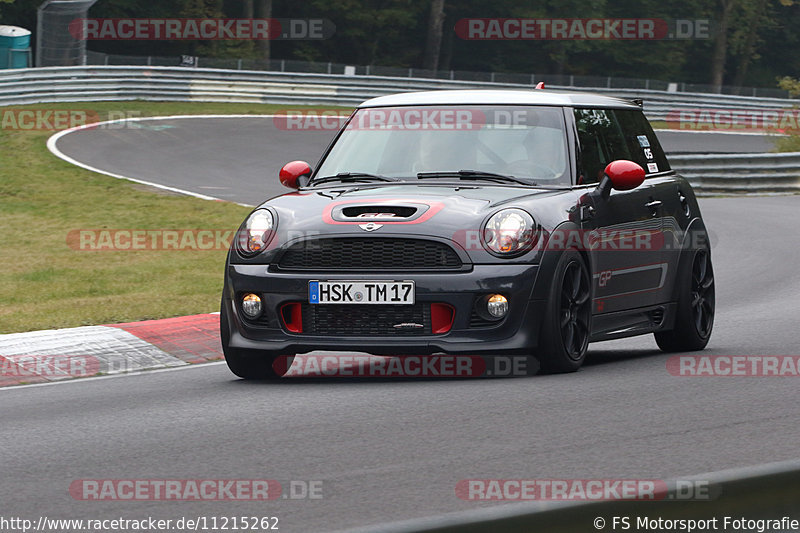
x: 540, y: 85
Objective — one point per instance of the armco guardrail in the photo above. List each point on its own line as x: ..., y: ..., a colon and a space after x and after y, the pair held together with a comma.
x: 767, y: 492
x: 61, y: 84
x: 715, y: 174
x: 526, y: 78
x: 740, y: 173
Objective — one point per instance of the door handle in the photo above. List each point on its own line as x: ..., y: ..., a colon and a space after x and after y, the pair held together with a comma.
x: 654, y: 206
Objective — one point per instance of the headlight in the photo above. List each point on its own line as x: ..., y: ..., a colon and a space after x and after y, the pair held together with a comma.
x: 510, y: 232
x: 256, y: 232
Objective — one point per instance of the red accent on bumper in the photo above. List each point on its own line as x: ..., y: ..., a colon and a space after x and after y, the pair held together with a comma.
x: 292, y: 316
x: 442, y: 316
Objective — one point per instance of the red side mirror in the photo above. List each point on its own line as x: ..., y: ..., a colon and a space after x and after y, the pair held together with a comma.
x: 625, y: 175
x: 292, y: 172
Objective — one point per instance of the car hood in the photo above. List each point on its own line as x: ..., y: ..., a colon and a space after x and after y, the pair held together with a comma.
x: 453, y: 213
x: 421, y: 209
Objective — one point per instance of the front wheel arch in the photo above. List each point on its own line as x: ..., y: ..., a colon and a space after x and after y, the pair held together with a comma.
x: 567, y: 325
x: 549, y: 259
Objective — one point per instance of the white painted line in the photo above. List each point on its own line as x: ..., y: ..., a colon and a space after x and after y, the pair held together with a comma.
x: 52, y: 145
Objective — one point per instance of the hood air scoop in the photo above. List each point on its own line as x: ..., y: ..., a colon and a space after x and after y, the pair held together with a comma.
x: 379, y: 213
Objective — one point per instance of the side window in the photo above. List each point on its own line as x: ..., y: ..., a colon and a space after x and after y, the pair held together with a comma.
x: 642, y: 141
x: 601, y: 141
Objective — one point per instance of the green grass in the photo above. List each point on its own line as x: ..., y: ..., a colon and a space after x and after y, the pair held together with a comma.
x: 790, y: 143
x: 45, y: 283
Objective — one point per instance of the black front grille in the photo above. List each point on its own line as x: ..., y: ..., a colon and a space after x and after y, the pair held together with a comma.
x: 369, y: 253
x: 367, y: 320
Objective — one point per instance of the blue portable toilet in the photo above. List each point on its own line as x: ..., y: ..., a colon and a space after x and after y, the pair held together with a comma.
x: 15, y: 47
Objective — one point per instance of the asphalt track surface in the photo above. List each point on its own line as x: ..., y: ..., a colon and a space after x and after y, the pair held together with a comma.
x: 395, y: 449
x: 238, y: 159
x: 687, y: 142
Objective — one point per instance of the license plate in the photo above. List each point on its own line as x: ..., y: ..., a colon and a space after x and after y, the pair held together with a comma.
x: 361, y: 292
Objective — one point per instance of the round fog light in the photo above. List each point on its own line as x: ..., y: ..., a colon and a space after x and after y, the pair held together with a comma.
x: 251, y: 305
x: 497, y: 305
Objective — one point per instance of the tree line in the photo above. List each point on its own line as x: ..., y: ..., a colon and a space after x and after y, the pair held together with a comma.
x: 750, y: 43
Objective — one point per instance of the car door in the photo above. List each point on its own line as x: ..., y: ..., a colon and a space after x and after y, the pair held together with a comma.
x: 666, y: 196
x: 624, y: 229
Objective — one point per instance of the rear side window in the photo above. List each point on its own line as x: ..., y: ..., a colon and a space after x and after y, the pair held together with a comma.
x: 642, y: 141
x: 606, y: 135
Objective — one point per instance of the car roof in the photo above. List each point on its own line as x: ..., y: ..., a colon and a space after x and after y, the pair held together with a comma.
x: 499, y: 97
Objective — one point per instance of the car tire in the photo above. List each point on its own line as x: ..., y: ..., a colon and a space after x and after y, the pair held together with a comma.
x: 567, y: 323
x: 696, y: 306
x: 245, y: 363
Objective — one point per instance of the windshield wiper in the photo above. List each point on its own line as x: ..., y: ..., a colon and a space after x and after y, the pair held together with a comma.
x: 348, y: 177
x: 473, y: 175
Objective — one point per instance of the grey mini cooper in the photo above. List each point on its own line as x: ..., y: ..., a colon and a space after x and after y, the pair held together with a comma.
x: 473, y: 222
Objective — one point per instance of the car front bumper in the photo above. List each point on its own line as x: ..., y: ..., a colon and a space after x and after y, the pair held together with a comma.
x: 517, y: 333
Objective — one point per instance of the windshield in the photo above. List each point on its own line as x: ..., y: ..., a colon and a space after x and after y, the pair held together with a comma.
x: 526, y: 142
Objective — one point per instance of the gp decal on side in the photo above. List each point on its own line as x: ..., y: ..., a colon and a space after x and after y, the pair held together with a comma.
x: 604, y: 278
